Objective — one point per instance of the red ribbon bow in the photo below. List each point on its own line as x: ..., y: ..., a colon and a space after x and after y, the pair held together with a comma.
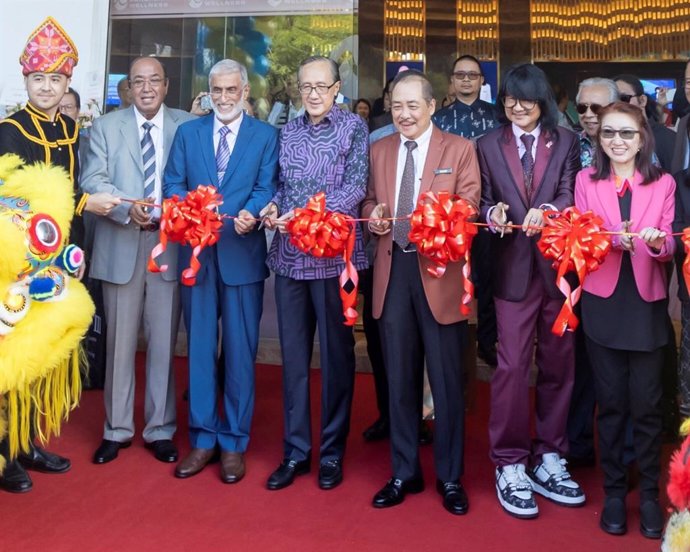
x: 440, y: 227
x: 575, y: 242
x: 192, y: 221
x: 322, y: 233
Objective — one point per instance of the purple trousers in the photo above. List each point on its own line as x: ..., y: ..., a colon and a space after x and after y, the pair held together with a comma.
x: 510, y: 438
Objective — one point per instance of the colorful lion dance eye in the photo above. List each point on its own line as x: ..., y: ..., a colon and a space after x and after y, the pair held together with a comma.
x: 45, y: 234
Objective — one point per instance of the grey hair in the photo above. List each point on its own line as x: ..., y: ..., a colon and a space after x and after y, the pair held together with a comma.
x: 333, y: 66
x: 598, y: 81
x: 227, y: 66
x: 413, y: 74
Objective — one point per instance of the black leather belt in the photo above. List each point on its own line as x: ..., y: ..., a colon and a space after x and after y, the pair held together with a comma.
x: 409, y: 248
x: 153, y: 226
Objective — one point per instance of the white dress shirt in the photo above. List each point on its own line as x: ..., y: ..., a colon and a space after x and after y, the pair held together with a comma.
x: 157, y: 137
x: 230, y: 137
x: 419, y: 155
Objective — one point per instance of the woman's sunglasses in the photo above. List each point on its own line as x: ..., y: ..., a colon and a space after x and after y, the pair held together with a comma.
x: 625, y: 134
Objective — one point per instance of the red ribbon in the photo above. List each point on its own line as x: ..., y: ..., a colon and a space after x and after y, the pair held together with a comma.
x: 575, y: 242
x: 192, y: 221
x: 322, y: 233
x: 440, y: 227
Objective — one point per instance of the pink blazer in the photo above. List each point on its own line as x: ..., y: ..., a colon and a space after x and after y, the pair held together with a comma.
x: 652, y: 205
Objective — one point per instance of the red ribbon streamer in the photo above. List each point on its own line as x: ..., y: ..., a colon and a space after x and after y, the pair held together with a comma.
x: 575, y: 242
x: 322, y: 233
x: 192, y: 221
x: 686, y: 264
x: 440, y: 227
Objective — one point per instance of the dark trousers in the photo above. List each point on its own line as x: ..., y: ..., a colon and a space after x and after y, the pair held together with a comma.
x: 583, y: 403
x: 481, y: 277
x: 628, y: 385
x: 302, y: 306
x: 509, y: 422
x: 410, y: 333
x: 374, y: 347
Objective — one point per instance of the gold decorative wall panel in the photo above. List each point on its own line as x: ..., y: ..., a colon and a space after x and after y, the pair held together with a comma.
x: 404, y: 30
x: 477, y: 28
x: 610, y: 30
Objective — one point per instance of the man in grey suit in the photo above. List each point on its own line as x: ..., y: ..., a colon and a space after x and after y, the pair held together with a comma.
x: 127, y: 155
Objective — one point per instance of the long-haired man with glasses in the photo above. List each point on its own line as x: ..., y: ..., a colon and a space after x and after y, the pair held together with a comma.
x: 325, y: 150
x: 528, y: 166
x: 592, y: 95
x: 127, y: 154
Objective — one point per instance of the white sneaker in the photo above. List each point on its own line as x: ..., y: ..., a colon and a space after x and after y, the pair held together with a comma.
x: 552, y: 480
x: 514, y: 491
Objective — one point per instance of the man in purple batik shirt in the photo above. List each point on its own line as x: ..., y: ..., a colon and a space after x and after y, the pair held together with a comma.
x: 325, y: 150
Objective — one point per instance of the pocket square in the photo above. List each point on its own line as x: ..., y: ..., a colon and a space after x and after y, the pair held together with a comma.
x: 447, y: 170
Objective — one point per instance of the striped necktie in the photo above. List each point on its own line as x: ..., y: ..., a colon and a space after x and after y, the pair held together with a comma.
x: 401, y: 228
x: 222, y: 153
x: 149, y: 157
x: 528, y: 162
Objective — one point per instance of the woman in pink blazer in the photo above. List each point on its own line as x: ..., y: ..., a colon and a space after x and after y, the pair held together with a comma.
x: 624, y: 307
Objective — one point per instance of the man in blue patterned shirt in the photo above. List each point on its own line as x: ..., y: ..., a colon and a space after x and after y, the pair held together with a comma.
x: 592, y: 95
x: 325, y: 150
x: 467, y: 116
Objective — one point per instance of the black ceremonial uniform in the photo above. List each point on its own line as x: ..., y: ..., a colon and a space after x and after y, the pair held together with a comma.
x: 35, y: 138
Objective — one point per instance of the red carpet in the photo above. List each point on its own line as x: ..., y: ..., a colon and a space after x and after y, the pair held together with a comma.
x: 135, y: 503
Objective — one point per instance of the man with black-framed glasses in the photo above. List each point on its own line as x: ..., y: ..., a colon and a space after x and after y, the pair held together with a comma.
x: 325, y: 150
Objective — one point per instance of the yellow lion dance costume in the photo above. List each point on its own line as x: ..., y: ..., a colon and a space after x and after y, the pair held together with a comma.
x: 44, y: 312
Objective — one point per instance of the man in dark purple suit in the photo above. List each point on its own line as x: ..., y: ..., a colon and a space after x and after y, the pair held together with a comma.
x: 528, y: 166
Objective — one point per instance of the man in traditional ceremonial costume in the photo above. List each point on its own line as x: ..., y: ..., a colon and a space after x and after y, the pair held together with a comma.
x: 38, y: 133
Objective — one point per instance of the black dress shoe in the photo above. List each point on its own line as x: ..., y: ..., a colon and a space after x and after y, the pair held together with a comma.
x: 108, y: 450
x: 426, y: 435
x: 613, y: 517
x: 393, y: 493
x: 15, y: 479
x: 651, y: 519
x: 488, y: 355
x: 330, y: 474
x: 286, y: 473
x: 454, y: 496
x: 41, y: 460
x: 164, y: 450
x: 378, y: 431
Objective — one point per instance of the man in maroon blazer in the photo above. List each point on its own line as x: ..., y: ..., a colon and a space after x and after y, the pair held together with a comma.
x: 419, y: 315
x: 528, y: 166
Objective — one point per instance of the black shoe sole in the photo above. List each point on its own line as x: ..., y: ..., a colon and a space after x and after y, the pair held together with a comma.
x: 276, y: 487
x: 31, y: 467
x: 617, y: 531
x: 328, y: 485
x: 650, y: 534
x: 100, y: 460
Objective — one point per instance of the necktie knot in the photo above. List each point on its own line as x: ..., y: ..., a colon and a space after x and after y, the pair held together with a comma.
x: 411, y: 145
x: 223, y: 132
x: 528, y: 140
x: 147, y: 126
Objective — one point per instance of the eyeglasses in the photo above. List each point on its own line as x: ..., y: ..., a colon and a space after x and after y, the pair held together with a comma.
x: 321, y: 89
x: 625, y: 134
x: 155, y: 82
x: 627, y: 97
x: 527, y: 105
x: 582, y: 108
x: 462, y: 75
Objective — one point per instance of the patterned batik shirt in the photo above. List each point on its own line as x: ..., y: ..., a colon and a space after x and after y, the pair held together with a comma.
x: 331, y: 156
x: 468, y: 121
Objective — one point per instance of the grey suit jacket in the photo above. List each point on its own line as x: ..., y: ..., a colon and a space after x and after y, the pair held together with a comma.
x: 114, y: 164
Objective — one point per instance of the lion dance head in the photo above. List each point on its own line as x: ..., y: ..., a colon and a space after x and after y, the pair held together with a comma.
x: 44, y: 311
